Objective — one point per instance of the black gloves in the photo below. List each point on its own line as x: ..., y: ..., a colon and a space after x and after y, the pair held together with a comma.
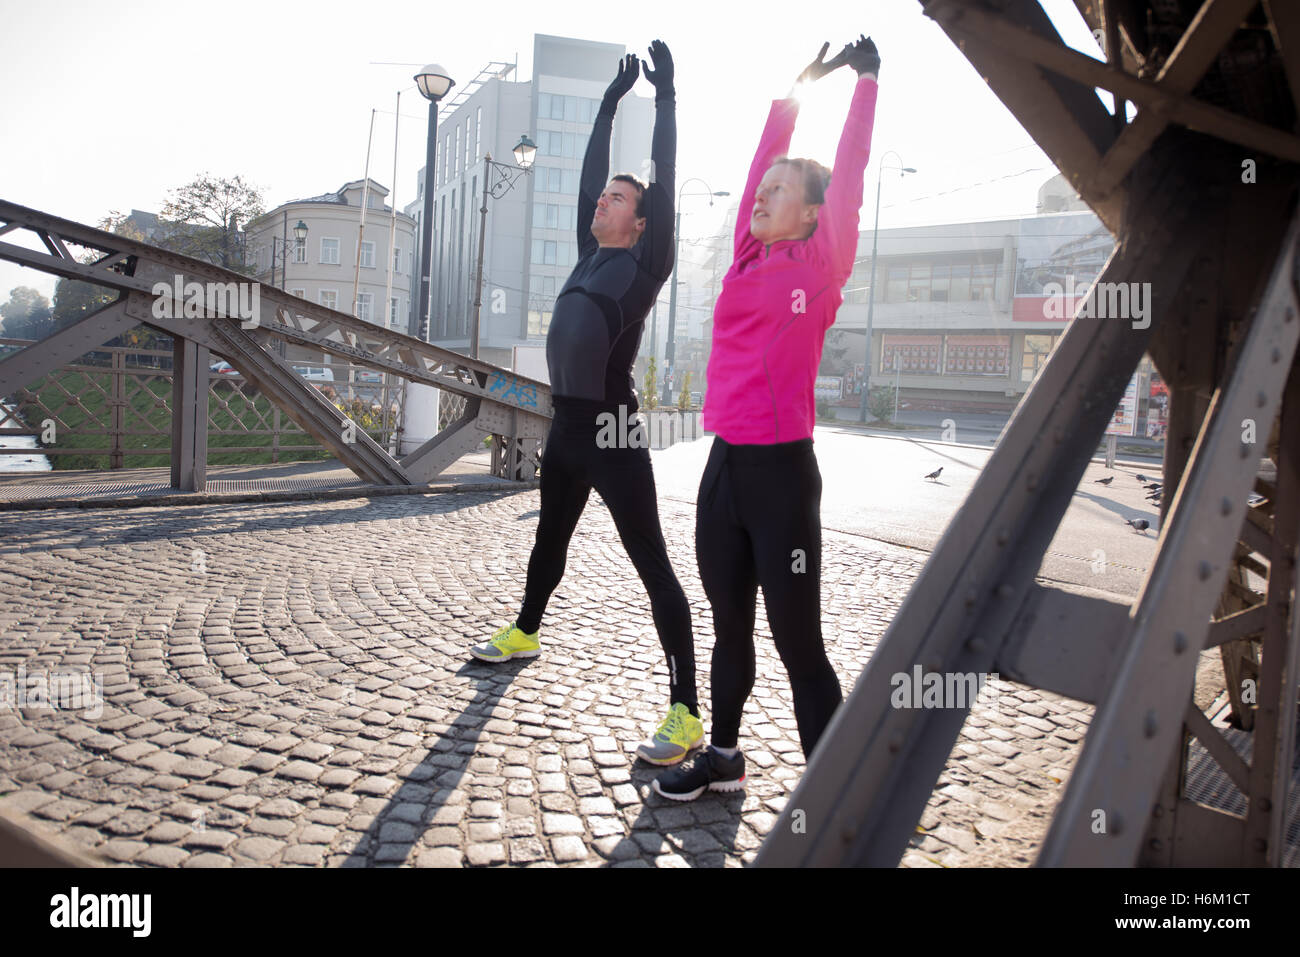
x: 662, y: 75
x: 629, y: 68
x: 819, y: 68
x: 862, y: 56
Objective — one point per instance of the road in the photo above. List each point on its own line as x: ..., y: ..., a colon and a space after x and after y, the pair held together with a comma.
x: 873, y: 486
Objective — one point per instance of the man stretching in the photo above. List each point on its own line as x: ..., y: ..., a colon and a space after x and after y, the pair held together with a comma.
x: 625, y: 249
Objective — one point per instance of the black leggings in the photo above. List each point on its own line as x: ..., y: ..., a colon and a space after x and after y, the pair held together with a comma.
x: 758, y: 522
x: 572, y: 465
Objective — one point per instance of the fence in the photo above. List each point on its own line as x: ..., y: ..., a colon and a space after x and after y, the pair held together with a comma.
x: 114, y: 404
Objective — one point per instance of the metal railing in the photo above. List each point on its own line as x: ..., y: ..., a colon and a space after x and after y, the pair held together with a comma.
x: 115, y: 403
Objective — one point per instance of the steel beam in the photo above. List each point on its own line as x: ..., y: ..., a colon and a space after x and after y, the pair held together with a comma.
x: 1275, y: 710
x: 189, y: 452
x: 1066, y: 119
x: 63, y: 347
x: 1139, y: 722
x: 965, y: 21
x: 1207, y: 34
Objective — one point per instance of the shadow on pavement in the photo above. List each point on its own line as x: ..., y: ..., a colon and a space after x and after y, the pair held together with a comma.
x: 419, y: 802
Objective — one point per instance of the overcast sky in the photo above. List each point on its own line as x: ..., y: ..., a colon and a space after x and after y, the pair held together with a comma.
x: 108, y: 106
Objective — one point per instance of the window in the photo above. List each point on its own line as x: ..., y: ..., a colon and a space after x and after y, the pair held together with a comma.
x: 557, y: 107
x: 569, y: 182
x: 896, y: 284
x: 918, y: 286
x: 983, y: 278
x: 455, y: 156
x: 300, y: 293
x: 446, y: 157
x: 300, y: 252
x: 329, y: 298
x: 469, y: 144
x: 397, y: 260
x: 1034, y: 357
x: 915, y: 355
x: 543, y: 106
x: 392, y: 312
x: 329, y: 252
x: 368, y: 254
x: 571, y: 109
x: 977, y: 355
x: 363, y: 306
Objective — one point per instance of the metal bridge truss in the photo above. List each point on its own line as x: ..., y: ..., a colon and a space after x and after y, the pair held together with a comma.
x: 514, y: 409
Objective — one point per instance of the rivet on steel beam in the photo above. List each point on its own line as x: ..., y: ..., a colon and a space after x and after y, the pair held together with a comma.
x: 972, y: 596
x: 1265, y: 804
x: 848, y: 834
x: 1261, y: 845
x: 1245, y: 450
x: 1032, y: 482
x: 1203, y: 570
x: 1276, y: 355
x: 1261, y: 400
x: 1225, y: 506
x: 976, y: 645
x: 1149, y: 725
x: 1182, y: 368
x: 1290, y: 313
x: 1058, y: 436
x: 1003, y: 536
x: 1155, y: 844
x: 1158, y: 811
x: 1180, y: 642
x: 1005, y: 591
x: 1116, y: 823
x: 895, y: 745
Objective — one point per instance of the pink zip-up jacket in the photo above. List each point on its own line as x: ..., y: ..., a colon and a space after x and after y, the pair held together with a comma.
x: 776, y: 304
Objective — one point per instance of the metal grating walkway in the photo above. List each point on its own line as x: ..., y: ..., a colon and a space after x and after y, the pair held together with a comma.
x: 1210, y: 785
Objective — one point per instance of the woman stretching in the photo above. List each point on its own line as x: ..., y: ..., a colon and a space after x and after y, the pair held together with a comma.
x: 757, y: 519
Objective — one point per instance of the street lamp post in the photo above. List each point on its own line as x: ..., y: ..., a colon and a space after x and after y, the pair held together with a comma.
x: 667, y: 399
x: 871, y: 290
x: 506, y: 176
x: 434, y: 83
x: 282, y: 243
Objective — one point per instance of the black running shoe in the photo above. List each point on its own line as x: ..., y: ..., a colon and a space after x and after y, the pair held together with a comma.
x: 709, y: 771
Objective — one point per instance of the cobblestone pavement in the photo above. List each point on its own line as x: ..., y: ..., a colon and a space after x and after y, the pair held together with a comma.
x: 288, y: 684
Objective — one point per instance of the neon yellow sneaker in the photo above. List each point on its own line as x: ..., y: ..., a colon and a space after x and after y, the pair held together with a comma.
x: 680, y: 733
x: 508, y: 643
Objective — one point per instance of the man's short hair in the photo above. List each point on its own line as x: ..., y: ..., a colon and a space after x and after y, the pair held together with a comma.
x: 815, y: 176
x: 640, y: 185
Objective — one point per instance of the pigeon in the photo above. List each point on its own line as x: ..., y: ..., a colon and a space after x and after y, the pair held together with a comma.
x: 935, y: 474
x: 1141, y: 524
x: 1154, y: 487
x: 1106, y: 481
x: 1142, y: 478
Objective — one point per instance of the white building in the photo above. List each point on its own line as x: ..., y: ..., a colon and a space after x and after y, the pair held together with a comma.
x: 325, y: 268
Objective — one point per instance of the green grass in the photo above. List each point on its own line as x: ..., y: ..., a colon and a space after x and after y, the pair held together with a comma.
x: 85, y: 425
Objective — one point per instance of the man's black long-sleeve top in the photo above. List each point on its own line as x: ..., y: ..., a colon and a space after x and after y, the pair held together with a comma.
x: 600, y: 313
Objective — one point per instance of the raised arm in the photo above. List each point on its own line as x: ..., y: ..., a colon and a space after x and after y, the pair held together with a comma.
x: 835, y: 240
x: 595, y: 163
x: 775, y: 140
x: 657, y: 242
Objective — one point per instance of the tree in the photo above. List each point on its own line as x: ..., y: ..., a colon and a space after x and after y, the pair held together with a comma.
x: 26, y: 315
x: 202, y: 219
x: 648, y: 386
x: 684, y: 398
